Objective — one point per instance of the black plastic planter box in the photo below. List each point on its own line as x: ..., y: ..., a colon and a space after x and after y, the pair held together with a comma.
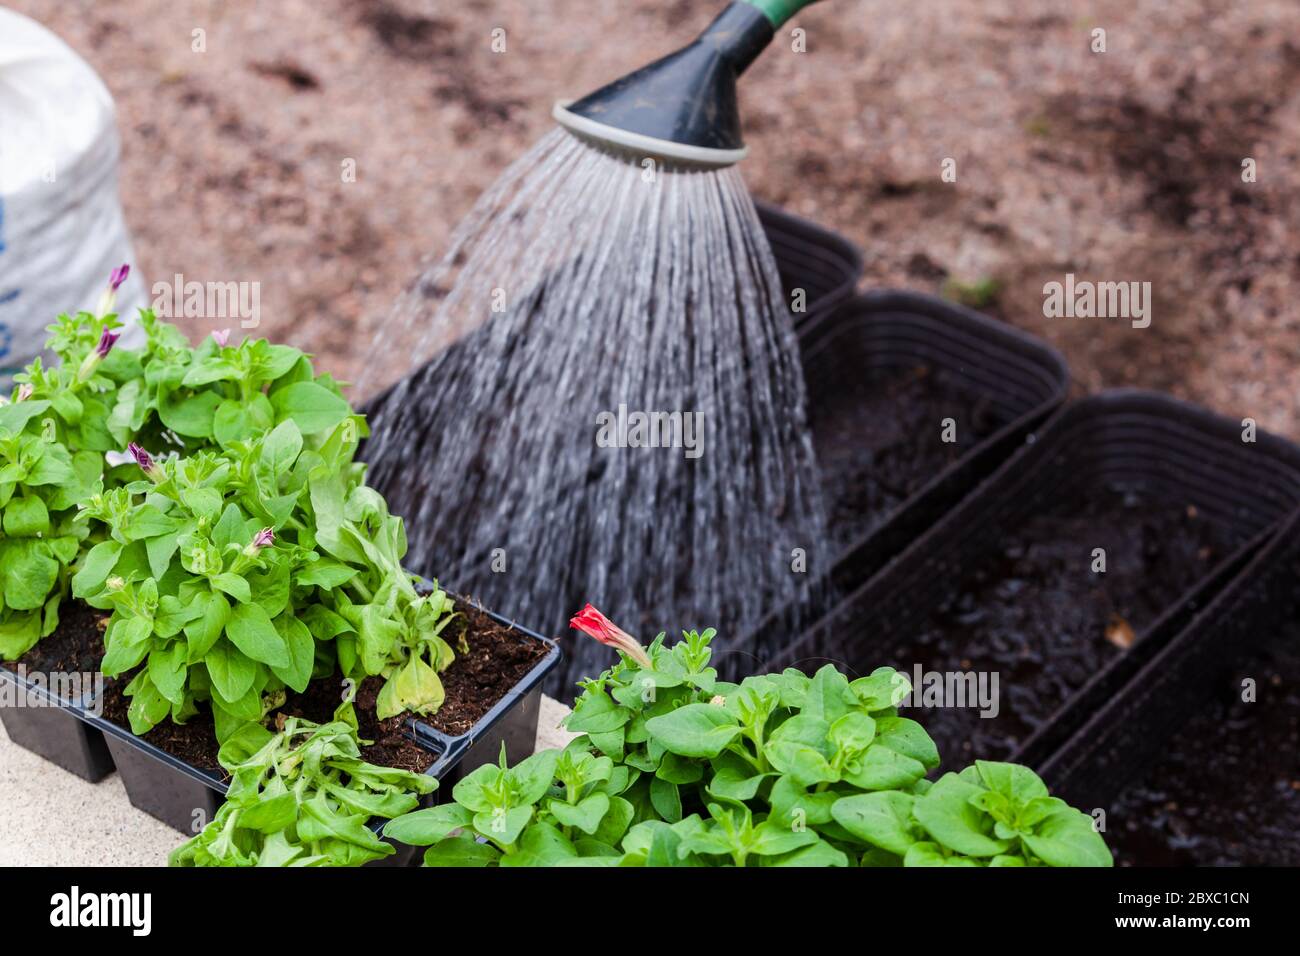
x: 1125, y: 441
x: 1011, y: 380
x: 824, y: 264
x: 54, y: 731
x: 996, y: 383
x: 173, y: 791
x: 186, y: 798
x: 77, y: 738
x: 512, y: 721
x: 1090, y: 756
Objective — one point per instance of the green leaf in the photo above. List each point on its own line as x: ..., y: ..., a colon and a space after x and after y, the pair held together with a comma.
x: 146, y: 521
x: 18, y: 633
x: 666, y: 798
x: 203, y: 502
x: 503, y: 825
x: 232, y: 673
x: 1068, y: 838
x: 907, y: 737
x: 325, y: 574
x: 533, y: 776
x: 415, y: 687
x: 68, y: 406
x: 882, y: 819
x: 429, y: 826
x: 238, y: 421
x: 595, y: 713
x: 883, y: 769
x: 312, y: 407
x: 234, y: 585
x: 929, y: 854
x: 881, y: 689
x: 945, y: 811
x: 168, y: 671
x: 696, y: 730
x: 585, y: 815
x: 771, y: 839
x: 302, y: 652
x: 270, y: 814
x: 53, y: 467
x: 820, y: 853
x: 251, y: 630
x: 461, y: 850
x: 542, y: 845
x: 829, y: 697
x: 26, y: 517
x: 281, y: 447
x: 14, y: 416
x: 614, y: 823
x: 160, y: 551
x: 148, y: 707
x: 202, y: 633
x: 96, y: 566
x: 853, y: 731
x: 191, y: 416
x: 29, y: 573
x: 1019, y: 785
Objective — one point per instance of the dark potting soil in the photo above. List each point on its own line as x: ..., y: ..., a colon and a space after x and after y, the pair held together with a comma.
x: 496, y: 659
x: 1227, y: 789
x: 75, y: 646
x: 879, y: 438
x: 1033, y: 613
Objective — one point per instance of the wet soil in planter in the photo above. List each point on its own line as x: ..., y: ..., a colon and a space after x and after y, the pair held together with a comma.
x: 497, y: 658
x: 76, y: 646
x: 879, y: 439
x: 1035, y: 614
x: 1227, y: 790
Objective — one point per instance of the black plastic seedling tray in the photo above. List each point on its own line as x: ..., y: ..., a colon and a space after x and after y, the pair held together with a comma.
x: 174, y: 791
x: 884, y: 372
x: 824, y: 264
x: 1188, y: 772
x: 868, y: 365
x: 957, y: 601
x: 77, y: 737
x: 511, y: 722
x: 187, y: 798
x: 53, y: 731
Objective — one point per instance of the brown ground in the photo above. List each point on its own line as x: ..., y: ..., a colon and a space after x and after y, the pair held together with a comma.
x: 1117, y: 166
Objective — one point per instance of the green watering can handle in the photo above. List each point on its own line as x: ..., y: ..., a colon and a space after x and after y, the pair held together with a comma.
x: 779, y: 11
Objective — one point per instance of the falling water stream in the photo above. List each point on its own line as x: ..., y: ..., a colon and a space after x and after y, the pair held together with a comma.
x: 584, y: 288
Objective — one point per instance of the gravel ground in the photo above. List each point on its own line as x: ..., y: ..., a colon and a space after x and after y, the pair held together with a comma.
x: 1122, y: 165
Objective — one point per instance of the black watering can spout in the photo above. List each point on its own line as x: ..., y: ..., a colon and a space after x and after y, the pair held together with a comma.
x: 683, y: 107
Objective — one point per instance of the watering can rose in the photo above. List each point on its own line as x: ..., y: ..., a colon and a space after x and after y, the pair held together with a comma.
x: 594, y: 624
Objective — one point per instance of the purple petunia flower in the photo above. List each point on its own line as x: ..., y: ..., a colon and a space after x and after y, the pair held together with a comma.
x: 263, y: 539
x: 145, y: 461
x: 107, y: 339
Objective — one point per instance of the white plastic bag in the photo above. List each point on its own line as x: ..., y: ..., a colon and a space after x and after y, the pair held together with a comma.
x: 61, y: 226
